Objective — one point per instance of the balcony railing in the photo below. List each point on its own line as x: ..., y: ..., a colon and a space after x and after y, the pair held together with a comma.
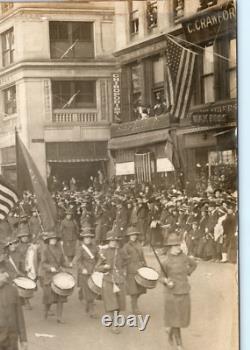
x: 137, y: 126
x: 87, y: 117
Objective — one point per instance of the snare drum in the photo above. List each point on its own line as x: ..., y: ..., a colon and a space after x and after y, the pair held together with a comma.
x: 63, y: 284
x: 147, y: 277
x: 95, y: 282
x: 25, y: 287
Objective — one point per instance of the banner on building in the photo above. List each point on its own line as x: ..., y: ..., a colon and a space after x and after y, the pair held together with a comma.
x: 127, y: 168
x: 116, y: 94
x: 143, y: 167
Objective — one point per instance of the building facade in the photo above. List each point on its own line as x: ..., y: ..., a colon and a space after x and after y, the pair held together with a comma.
x: 56, y: 72
x: 202, y: 144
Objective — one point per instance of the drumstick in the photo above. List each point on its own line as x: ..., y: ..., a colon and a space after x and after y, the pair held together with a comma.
x: 159, y: 261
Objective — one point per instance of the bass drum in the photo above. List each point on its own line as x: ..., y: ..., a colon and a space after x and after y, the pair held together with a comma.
x: 25, y: 286
x: 147, y: 277
x: 63, y: 284
x: 95, y: 282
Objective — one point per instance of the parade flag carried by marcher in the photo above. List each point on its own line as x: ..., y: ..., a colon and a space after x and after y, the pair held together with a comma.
x: 8, y: 198
x: 180, y: 68
x: 27, y: 170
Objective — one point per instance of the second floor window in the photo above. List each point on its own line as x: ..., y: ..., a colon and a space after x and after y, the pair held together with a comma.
x: 8, y: 48
x: 208, y: 75
x: 71, y: 40
x: 158, y: 80
x: 9, y: 98
x: 178, y: 9
x: 206, y: 3
x: 152, y: 15
x: 73, y: 94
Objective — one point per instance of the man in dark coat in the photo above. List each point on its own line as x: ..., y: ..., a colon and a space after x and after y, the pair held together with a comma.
x: 12, y: 324
x: 121, y: 219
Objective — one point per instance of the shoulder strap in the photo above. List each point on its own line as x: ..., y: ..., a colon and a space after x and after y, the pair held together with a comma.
x: 87, y: 250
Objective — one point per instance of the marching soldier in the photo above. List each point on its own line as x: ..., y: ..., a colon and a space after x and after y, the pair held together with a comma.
x: 112, y: 263
x: 52, y: 262
x: 136, y: 260
x: 85, y: 259
x: 177, y: 308
x: 12, y: 322
x: 69, y: 235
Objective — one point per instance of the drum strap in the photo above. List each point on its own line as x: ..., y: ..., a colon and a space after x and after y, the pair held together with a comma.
x: 87, y: 250
x: 13, y: 264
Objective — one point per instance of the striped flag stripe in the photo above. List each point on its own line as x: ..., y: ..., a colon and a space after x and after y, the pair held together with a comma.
x: 4, y: 209
x: 6, y: 200
x: 5, y: 189
x: 186, y: 99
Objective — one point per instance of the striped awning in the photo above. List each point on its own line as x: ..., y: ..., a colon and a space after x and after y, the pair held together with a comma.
x: 138, y: 140
x: 73, y: 152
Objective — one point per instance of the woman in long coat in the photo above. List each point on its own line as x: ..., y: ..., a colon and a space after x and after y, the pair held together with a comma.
x: 85, y: 259
x: 52, y: 262
x: 177, y: 306
x: 112, y: 262
x: 136, y: 260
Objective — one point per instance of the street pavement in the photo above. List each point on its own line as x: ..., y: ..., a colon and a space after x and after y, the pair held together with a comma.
x: 214, y: 323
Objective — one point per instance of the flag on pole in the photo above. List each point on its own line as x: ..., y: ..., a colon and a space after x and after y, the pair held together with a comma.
x: 28, y: 171
x: 68, y: 103
x: 180, y: 69
x: 8, y: 198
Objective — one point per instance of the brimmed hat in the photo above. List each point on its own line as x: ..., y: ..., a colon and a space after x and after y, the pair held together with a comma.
x: 172, y: 240
x: 132, y: 231
x: 86, y: 232
x: 112, y: 236
x: 50, y: 235
x: 23, y: 232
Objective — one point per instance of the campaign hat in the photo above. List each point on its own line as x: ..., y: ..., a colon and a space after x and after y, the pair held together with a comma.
x: 132, y: 231
x: 173, y: 239
x: 50, y: 235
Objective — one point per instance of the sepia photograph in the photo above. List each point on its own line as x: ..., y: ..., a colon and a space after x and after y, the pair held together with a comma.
x: 118, y: 175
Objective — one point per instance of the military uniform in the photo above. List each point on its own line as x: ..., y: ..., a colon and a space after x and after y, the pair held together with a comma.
x: 69, y: 236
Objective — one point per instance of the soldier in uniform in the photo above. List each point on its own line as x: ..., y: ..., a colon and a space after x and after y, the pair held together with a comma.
x: 121, y: 219
x: 52, y: 262
x: 177, y: 308
x: 86, y: 259
x: 35, y: 225
x: 12, y: 324
x: 112, y: 263
x: 69, y: 235
x: 133, y: 249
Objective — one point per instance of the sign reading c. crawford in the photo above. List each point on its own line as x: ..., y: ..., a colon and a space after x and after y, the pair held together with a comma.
x: 205, y: 25
x: 116, y: 93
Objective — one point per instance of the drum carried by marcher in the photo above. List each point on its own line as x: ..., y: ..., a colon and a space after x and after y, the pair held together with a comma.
x: 63, y: 284
x: 95, y: 282
x: 147, y: 277
x: 25, y: 287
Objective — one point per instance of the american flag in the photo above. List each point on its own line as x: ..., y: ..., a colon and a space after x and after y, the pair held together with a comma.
x: 8, y: 198
x: 180, y: 68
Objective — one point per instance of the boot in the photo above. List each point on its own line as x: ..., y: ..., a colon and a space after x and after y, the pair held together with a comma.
x: 224, y: 258
x: 92, y: 313
x: 134, y: 304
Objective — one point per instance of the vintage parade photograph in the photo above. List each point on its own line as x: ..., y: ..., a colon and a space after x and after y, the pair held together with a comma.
x: 118, y: 175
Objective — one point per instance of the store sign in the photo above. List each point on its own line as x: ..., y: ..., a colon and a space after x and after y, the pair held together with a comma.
x: 216, y: 20
x: 164, y: 165
x: 127, y: 168
x: 214, y: 115
x: 116, y: 91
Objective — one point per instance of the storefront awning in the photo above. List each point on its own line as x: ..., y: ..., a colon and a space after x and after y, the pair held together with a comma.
x: 196, y: 129
x: 69, y: 152
x: 138, y: 140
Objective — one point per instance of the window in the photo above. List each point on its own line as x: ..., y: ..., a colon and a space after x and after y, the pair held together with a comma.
x: 222, y: 157
x: 71, y: 40
x: 208, y: 75
x: 6, y: 6
x: 232, y: 69
x: 206, y: 3
x: 9, y: 97
x: 178, y: 9
x: 134, y: 22
x: 73, y: 94
x: 158, y: 80
x: 152, y: 15
x: 8, y: 47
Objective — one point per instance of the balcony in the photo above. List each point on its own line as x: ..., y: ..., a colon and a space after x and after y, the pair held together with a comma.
x: 138, y: 126
x: 72, y: 117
